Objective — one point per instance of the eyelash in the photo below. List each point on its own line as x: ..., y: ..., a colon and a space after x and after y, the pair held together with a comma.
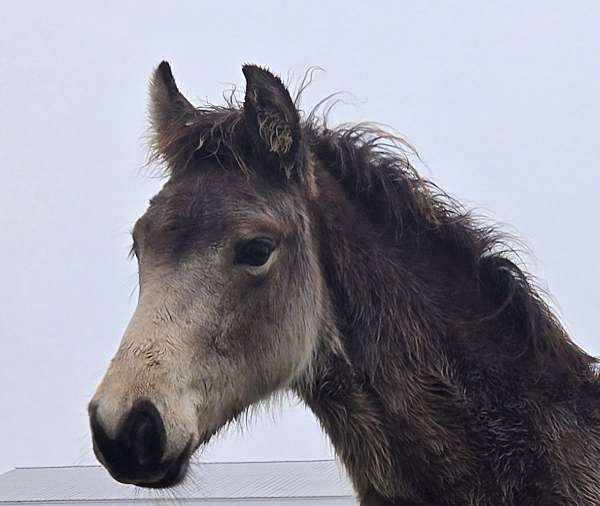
x: 132, y: 251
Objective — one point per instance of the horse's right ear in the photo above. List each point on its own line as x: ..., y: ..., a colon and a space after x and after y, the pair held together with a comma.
x: 168, y: 112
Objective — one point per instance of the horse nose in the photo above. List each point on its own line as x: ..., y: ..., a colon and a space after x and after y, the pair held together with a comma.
x: 134, y: 453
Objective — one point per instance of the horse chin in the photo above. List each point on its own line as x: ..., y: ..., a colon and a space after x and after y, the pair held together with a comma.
x: 178, y: 470
x: 207, y: 434
x: 175, y: 471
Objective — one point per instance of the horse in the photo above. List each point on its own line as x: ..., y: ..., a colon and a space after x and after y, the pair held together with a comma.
x: 282, y: 255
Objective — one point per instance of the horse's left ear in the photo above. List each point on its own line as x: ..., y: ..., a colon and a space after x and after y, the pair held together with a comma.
x: 272, y: 120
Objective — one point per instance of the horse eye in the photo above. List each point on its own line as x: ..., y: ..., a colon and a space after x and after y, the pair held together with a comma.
x: 255, y: 252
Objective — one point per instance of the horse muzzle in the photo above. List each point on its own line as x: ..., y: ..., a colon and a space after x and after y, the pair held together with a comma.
x: 135, y: 454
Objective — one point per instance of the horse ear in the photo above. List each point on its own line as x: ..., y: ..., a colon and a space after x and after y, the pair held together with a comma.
x: 168, y: 110
x: 272, y: 119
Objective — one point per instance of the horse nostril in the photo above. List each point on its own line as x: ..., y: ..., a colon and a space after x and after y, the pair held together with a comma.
x: 147, y: 438
x: 143, y: 433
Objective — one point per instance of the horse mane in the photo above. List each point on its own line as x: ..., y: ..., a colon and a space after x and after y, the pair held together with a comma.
x: 373, y: 166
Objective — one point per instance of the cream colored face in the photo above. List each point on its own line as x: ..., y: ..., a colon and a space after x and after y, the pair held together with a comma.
x: 229, y: 311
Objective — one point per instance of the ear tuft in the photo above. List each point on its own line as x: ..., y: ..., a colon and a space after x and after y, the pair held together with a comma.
x: 272, y: 118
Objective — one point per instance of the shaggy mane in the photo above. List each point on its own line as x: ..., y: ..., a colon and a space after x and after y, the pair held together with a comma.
x: 374, y: 168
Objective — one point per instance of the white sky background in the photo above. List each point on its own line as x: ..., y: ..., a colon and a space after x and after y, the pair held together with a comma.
x: 502, y: 100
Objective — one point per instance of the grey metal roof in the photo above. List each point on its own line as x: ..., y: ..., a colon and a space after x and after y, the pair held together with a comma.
x: 205, y: 481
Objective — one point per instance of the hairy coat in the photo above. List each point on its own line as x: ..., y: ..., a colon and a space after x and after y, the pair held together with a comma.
x: 436, y: 368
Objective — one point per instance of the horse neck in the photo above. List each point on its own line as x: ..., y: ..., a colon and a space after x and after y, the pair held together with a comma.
x: 385, y: 319
x: 391, y: 397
